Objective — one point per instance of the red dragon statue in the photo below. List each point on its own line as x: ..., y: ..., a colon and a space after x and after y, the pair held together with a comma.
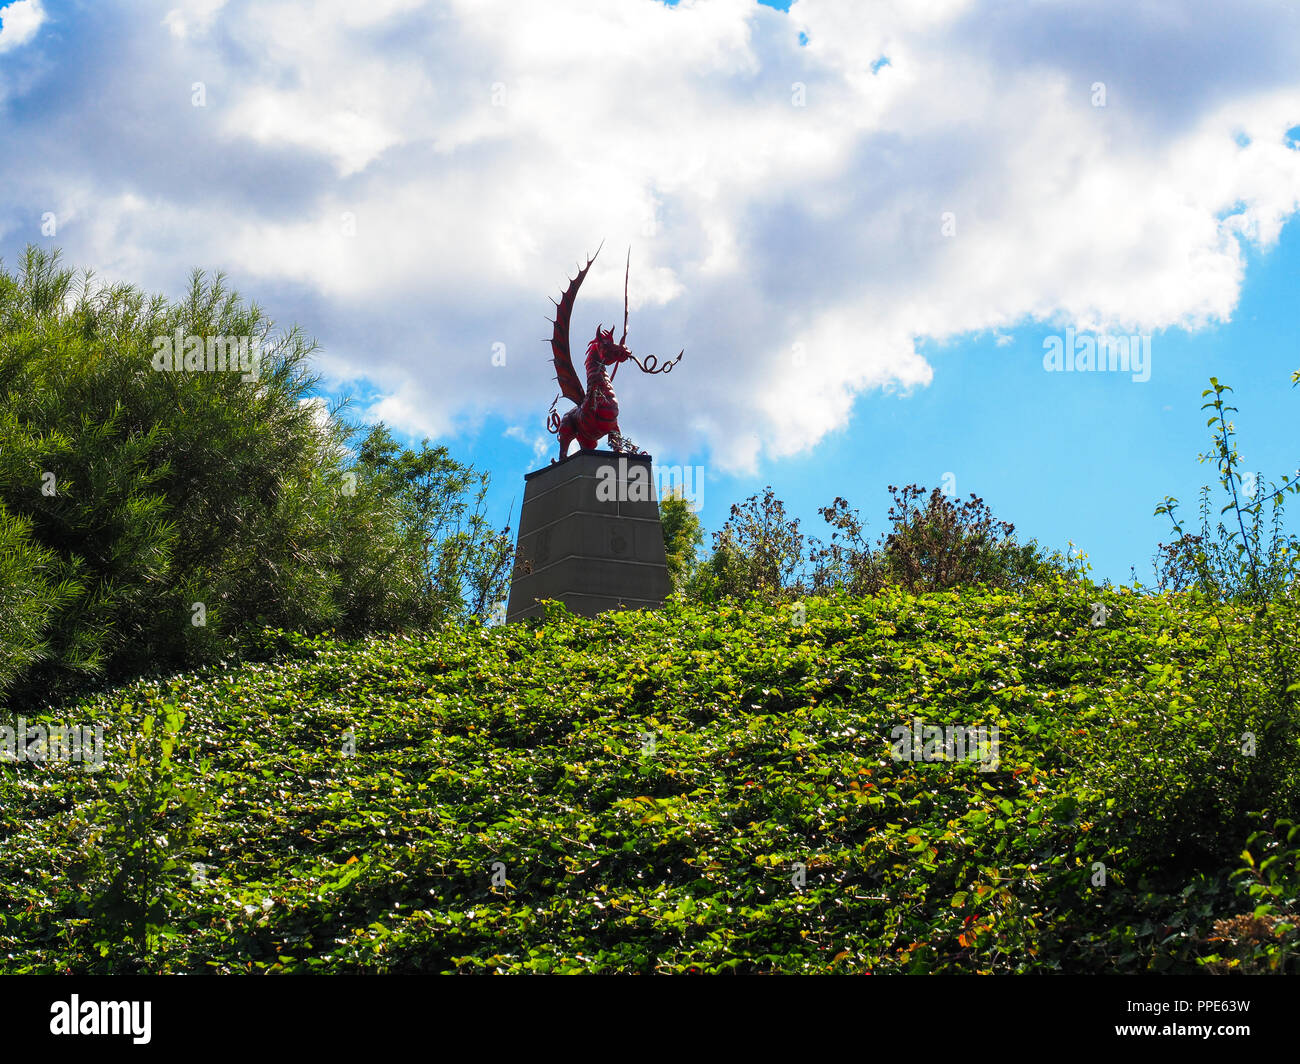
x: 596, y: 412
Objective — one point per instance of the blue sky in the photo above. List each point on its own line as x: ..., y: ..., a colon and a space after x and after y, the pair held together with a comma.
x: 861, y: 221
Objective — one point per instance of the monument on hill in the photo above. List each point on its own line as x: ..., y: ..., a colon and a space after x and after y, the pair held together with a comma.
x: 589, y: 529
x: 589, y: 536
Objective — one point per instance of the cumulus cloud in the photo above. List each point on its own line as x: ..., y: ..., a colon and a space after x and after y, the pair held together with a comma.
x: 412, y: 180
x: 19, y: 23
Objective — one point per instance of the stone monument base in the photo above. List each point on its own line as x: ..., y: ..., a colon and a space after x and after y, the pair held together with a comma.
x: 590, y: 537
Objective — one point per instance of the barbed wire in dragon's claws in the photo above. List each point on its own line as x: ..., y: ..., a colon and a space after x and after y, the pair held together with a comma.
x: 620, y: 443
x: 651, y: 364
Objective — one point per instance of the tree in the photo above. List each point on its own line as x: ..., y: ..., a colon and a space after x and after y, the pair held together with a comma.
x: 170, y: 485
x: 847, y: 562
x: 945, y: 544
x: 939, y: 545
x: 683, y: 537
x: 33, y: 586
x: 931, y: 546
x: 759, y: 551
x: 458, y: 566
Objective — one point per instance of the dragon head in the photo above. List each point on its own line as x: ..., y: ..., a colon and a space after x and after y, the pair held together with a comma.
x: 609, y: 352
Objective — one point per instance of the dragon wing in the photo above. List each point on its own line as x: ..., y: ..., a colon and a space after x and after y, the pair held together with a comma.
x: 569, y: 381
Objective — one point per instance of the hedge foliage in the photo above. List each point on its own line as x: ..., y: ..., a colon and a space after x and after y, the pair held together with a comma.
x: 695, y: 789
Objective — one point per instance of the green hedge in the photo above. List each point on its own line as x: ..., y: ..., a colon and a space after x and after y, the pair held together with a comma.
x: 351, y: 801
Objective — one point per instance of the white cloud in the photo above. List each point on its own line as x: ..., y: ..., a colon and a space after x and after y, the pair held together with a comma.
x: 19, y: 23
x: 481, y: 146
x: 404, y: 409
x: 541, y: 444
x: 193, y: 18
x: 320, y: 410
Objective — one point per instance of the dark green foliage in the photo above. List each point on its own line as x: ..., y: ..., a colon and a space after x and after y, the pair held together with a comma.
x: 363, y: 794
x: 1266, y: 938
x: 759, y: 551
x: 683, y: 537
x: 452, y: 563
x: 33, y: 588
x: 946, y: 544
x: 935, y: 546
x: 135, y: 844
x: 135, y: 503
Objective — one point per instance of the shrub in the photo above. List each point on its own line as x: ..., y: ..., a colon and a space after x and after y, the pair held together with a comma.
x: 1266, y: 939
x: 137, y: 843
x: 30, y: 592
x: 161, y: 518
x: 932, y: 547
x: 946, y: 544
x: 364, y: 795
x: 1246, y: 567
x: 759, y: 551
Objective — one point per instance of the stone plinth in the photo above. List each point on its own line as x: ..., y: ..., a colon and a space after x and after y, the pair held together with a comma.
x: 590, y: 537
